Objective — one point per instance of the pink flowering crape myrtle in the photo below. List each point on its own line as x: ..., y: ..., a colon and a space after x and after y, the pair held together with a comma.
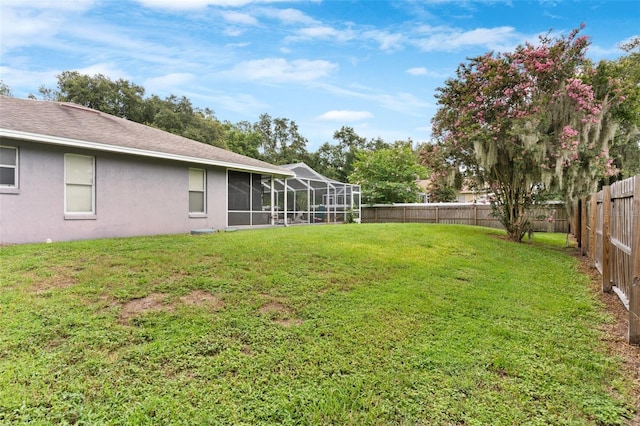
x: 527, y: 123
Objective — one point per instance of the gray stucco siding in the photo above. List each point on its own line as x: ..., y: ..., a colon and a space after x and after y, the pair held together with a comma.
x: 134, y: 195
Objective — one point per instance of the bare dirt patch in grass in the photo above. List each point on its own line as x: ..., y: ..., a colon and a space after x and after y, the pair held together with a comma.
x: 202, y: 298
x: 279, y: 314
x: 153, y: 302
x: 59, y: 278
x: 157, y: 302
x: 274, y: 308
x: 289, y: 322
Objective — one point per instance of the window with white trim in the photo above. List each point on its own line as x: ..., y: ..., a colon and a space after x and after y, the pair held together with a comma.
x: 79, y: 184
x: 197, y: 190
x: 8, y: 167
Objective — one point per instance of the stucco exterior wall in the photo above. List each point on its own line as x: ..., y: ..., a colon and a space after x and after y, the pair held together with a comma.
x: 133, y: 196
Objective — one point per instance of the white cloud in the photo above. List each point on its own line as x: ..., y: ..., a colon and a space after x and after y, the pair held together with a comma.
x: 24, y: 81
x: 322, y: 32
x: 386, y: 40
x: 402, y: 102
x: 239, y: 18
x: 237, y: 45
x: 68, y: 5
x: 405, y: 103
x: 345, y: 115
x: 417, y: 71
x: 611, y: 52
x: 109, y: 70
x: 233, y: 32
x: 286, y: 16
x: 293, y: 16
x: 444, y: 39
x: 420, y: 71
x: 167, y: 83
x: 240, y: 103
x: 198, y: 4
x: 600, y: 52
x: 23, y: 24
x: 282, y: 70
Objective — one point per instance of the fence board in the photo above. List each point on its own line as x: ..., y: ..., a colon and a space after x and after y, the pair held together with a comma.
x: 621, y: 241
x: 611, y: 238
x: 606, y: 239
x: 598, y: 224
x: 462, y: 214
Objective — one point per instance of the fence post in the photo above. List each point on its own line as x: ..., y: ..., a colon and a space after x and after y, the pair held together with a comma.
x: 606, y: 239
x: 437, y: 215
x: 583, y: 227
x: 634, y: 303
x: 475, y: 215
x: 577, y: 225
x: 592, y: 232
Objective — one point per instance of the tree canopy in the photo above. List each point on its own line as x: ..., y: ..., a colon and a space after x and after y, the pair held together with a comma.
x: 528, y: 123
x: 388, y: 175
x: 626, y: 70
x: 127, y: 100
x: 336, y: 160
x: 280, y: 140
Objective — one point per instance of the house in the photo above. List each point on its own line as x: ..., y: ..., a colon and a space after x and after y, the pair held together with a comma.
x: 68, y: 172
x: 466, y: 194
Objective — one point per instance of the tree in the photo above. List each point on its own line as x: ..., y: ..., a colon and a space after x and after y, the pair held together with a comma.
x: 4, y: 89
x: 280, y: 141
x: 527, y: 123
x: 177, y: 115
x: 625, y: 150
x: 336, y: 161
x: 388, y: 175
x: 120, y: 98
x: 241, y: 138
x: 124, y: 99
x: 441, y: 187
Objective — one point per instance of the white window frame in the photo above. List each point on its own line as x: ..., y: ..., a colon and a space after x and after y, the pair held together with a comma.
x: 15, y: 168
x: 92, y: 185
x: 203, y: 191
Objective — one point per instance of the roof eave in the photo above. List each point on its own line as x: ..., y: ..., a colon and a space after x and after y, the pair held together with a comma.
x: 56, y: 140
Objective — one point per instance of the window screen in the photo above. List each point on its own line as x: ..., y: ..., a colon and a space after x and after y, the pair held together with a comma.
x: 239, y: 191
x: 79, y: 183
x: 8, y: 166
x: 197, y: 190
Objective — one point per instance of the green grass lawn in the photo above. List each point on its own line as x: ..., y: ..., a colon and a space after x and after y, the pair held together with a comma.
x: 356, y: 324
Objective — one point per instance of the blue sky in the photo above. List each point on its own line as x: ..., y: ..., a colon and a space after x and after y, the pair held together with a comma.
x: 370, y: 65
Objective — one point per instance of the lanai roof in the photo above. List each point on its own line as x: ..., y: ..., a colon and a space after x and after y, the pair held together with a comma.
x: 303, y: 171
x: 68, y: 124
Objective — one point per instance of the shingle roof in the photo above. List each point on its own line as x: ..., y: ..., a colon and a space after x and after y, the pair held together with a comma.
x: 74, y: 125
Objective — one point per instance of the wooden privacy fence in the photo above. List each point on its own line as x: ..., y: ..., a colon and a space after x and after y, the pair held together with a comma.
x: 462, y: 214
x: 609, y: 234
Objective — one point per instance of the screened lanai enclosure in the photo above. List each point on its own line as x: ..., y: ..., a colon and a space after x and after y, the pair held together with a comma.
x: 307, y: 198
